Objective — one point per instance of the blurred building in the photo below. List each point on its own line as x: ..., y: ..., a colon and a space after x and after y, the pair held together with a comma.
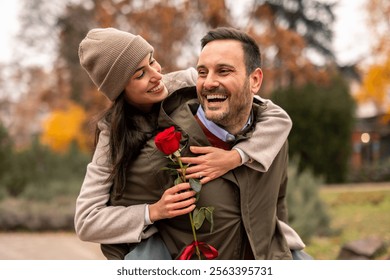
x: 371, y: 137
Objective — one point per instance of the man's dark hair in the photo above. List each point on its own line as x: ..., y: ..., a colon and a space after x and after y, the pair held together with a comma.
x: 251, y: 50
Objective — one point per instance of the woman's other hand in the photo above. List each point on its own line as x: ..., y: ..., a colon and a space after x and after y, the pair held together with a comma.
x: 177, y: 200
x: 211, y: 163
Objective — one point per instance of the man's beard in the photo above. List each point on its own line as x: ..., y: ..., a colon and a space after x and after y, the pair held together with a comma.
x: 235, y: 111
x: 217, y: 118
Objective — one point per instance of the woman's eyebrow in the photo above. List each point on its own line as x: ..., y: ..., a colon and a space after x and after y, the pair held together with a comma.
x: 142, y: 67
x: 139, y: 69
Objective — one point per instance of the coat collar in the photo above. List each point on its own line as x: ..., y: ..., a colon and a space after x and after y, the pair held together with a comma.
x: 174, y: 112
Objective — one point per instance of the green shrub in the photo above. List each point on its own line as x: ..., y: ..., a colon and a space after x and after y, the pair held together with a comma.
x: 23, y: 214
x: 374, y: 172
x: 6, y: 161
x: 39, y: 173
x: 307, y: 213
x: 323, y: 120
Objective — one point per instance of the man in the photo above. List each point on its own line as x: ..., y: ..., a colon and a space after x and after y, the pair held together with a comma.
x: 248, y: 204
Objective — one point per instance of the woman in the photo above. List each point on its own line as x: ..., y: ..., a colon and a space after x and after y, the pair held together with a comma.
x: 123, y: 68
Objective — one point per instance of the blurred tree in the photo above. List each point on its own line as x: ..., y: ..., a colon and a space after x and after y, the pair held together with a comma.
x: 5, y: 103
x: 379, y: 23
x: 212, y: 13
x: 312, y: 20
x: 73, y: 25
x: 291, y: 34
x: 6, y: 156
x: 376, y: 87
x: 323, y: 119
x: 36, y: 97
x: 38, y: 33
x: 163, y: 24
x: 376, y: 76
x: 286, y: 30
x: 63, y: 127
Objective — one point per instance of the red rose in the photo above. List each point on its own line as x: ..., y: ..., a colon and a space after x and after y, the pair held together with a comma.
x: 168, y: 141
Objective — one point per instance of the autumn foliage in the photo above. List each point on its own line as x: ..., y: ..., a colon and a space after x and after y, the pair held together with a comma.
x: 62, y: 127
x: 375, y: 85
x: 67, y: 98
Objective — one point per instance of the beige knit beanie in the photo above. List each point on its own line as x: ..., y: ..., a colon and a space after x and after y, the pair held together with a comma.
x: 110, y: 57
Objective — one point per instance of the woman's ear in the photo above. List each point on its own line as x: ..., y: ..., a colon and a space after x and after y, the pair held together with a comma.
x: 256, y: 79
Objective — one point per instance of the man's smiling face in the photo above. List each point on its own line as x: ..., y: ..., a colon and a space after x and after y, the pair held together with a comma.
x: 223, y: 84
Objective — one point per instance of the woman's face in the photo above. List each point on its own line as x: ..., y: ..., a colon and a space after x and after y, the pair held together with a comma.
x: 145, y: 87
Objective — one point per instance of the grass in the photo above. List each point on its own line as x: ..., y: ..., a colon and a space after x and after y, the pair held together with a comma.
x: 357, y: 212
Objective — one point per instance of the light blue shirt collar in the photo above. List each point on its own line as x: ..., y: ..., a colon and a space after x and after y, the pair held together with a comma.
x: 217, y: 130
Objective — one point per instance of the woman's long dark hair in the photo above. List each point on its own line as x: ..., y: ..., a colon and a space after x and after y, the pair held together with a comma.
x: 130, y: 128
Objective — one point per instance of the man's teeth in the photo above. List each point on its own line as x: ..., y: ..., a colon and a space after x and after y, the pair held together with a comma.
x: 216, y: 97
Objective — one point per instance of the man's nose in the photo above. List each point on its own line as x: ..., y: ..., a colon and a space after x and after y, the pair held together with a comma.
x: 210, y: 82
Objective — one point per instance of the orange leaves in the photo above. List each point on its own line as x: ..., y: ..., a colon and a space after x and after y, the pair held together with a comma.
x: 376, y: 78
x: 214, y: 12
x: 376, y: 84
x: 63, y: 127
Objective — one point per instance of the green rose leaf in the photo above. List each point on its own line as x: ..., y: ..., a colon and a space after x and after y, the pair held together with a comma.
x: 209, y: 217
x: 178, y: 180
x: 199, y: 216
x: 195, y: 184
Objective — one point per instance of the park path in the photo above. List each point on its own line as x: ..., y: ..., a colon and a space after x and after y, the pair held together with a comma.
x: 46, y: 246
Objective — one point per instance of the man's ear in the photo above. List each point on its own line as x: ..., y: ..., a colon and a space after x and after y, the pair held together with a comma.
x: 256, y: 79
